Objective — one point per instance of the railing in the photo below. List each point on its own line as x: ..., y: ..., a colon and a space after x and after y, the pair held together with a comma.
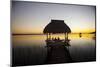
x: 52, y: 43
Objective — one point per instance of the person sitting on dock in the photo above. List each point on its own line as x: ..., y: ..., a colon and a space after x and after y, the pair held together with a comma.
x: 58, y: 39
x: 55, y: 39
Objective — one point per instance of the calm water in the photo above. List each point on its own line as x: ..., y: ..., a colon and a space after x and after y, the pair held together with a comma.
x: 31, y: 49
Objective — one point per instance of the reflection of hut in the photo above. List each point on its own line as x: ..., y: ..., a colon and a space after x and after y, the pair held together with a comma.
x: 56, y: 26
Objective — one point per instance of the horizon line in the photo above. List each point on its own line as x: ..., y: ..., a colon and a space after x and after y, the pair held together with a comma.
x: 43, y: 33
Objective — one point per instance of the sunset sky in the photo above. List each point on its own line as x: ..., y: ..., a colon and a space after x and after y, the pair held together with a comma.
x: 32, y: 17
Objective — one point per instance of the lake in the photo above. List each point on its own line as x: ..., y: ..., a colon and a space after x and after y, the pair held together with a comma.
x: 32, y: 50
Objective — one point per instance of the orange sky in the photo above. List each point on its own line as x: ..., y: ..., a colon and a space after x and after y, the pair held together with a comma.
x: 27, y: 17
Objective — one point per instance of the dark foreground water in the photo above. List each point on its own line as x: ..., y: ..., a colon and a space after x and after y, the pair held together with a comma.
x: 32, y: 50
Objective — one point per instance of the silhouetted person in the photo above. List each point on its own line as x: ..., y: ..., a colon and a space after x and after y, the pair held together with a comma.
x: 55, y: 39
x: 58, y: 39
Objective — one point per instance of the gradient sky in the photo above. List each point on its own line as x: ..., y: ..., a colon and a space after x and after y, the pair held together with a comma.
x: 32, y: 17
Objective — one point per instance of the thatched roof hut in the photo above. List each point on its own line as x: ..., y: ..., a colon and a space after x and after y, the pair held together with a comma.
x: 57, y: 26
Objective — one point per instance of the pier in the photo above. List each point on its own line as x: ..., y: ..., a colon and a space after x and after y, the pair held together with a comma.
x: 57, y: 49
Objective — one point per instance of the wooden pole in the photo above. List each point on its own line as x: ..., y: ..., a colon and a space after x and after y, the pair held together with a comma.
x: 47, y: 36
x: 65, y: 37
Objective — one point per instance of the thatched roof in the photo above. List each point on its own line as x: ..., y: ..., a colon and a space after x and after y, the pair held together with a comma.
x: 57, y: 26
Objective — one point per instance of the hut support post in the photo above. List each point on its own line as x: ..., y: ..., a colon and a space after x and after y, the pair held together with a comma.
x: 65, y: 37
x: 47, y: 36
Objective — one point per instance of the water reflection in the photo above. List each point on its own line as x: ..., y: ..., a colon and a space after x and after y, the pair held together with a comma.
x: 31, y: 50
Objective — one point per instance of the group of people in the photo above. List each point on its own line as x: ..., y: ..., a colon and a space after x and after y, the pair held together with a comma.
x: 56, y: 39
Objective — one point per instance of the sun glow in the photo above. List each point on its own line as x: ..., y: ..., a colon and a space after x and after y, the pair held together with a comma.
x: 29, y: 20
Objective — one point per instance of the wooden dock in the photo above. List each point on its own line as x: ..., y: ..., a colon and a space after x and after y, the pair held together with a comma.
x: 58, y: 53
